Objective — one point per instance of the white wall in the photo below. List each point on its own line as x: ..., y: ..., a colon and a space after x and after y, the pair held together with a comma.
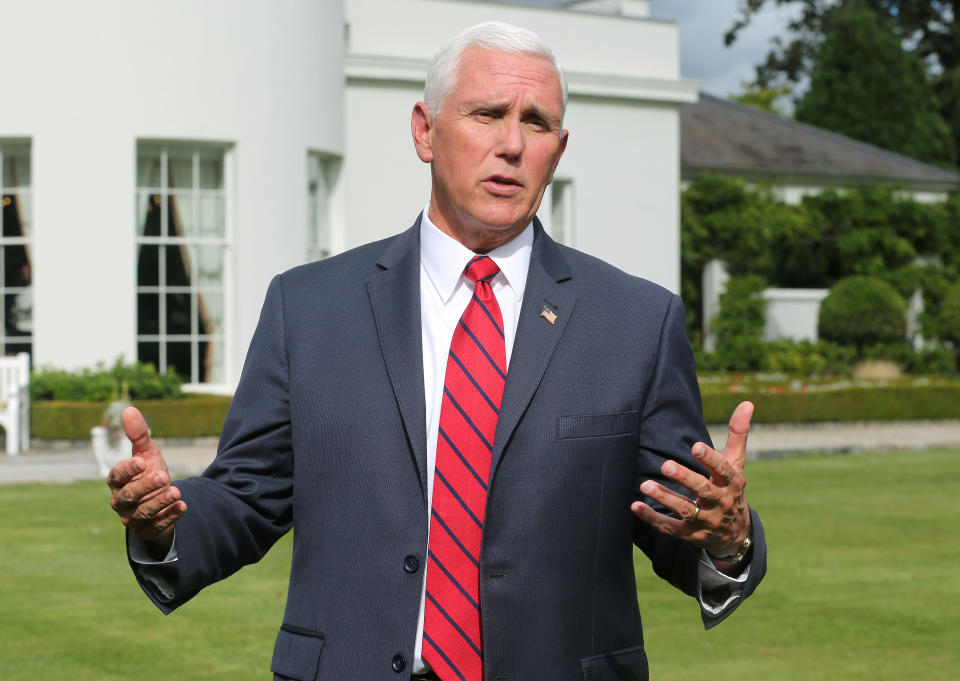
x: 85, y: 81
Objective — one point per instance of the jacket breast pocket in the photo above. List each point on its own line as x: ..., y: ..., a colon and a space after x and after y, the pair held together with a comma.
x: 627, y: 664
x: 296, y: 654
x: 597, y: 425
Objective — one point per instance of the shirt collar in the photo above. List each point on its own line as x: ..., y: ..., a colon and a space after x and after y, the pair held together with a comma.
x: 443, y: 259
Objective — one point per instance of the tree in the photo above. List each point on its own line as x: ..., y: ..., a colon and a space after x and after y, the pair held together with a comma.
x: 928, y: 28
x: 866, y: 86
x: 763, y: 98
x: 860, y: 311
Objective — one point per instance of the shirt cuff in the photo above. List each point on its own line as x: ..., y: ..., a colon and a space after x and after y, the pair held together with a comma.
x: 716, y: 591
x: 161, y: 574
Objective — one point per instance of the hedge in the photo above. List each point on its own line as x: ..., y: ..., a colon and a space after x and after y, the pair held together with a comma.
x: 191, y: 416
x: 887, y: 403
x: 202, y: 415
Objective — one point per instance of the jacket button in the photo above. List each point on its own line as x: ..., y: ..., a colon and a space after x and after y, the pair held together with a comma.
x: 399, y: 663
x: 411, y: 564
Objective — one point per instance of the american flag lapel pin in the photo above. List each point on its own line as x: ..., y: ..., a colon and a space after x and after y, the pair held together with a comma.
x: 548, y: 314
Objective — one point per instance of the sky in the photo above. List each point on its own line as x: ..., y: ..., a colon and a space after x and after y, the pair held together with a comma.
x: 702, y: 24
x: 703, y: 56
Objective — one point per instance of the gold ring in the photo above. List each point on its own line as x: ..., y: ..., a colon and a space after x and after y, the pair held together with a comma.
x: 696, y: 514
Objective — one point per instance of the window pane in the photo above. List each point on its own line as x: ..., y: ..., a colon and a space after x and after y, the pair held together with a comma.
x: 210, y: 309
x: 212, y: 221
x: 25, y: 212
x: 178, y: 313
x: 16, y: 165
x: 12, y: 347
x: 209, y: 262
x: 178, y: 265
x: 148, y: 265
x: 180, y: 215
x: 211, y: 360
x: 16, y: 266
x: 211, y: 170
x: 148, y: 314
x: 180, y: 169
x: 178, y: 357
x: 148, y: 167
x: 13, y: 216
x: 149, y: 353
x: 18, y: 313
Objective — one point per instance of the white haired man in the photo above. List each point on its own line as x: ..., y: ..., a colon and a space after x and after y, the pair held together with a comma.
x: 469, y: 425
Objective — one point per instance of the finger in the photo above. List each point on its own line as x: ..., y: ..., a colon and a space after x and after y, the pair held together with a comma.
x: 739, y: 427
x: 154, y: 505
x: 693, y: 481
x: 659, y: 521
x: 722, y: 472
x: 123, y: 472
x: 155, y: 527
x: 677, y: 503
x: 168, y: 516
x: 135, y: 427
x: 136, y: 492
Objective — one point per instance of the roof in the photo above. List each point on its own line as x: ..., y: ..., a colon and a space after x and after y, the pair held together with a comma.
x: 722, y: 136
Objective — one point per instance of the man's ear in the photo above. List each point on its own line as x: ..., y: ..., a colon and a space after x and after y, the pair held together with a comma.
x: 563, y: 147
x: 421, y: 126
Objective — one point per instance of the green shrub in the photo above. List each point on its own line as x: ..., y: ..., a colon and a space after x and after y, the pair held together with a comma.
x: 101, y: 384
x: 887, y: 403
x: 739, y: 325
x: 191, y: 416
x: 950, y: 315
x: 808, y: 358
x: 860, y: 311
x: 936, y: 361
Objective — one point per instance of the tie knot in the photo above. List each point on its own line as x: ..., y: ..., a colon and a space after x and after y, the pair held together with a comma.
x: 481, y: 268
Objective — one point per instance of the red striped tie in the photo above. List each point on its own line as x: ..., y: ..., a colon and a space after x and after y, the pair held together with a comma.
x: 472, y: 390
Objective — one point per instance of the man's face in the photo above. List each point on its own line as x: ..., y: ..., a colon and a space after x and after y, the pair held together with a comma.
x: 493, y: 146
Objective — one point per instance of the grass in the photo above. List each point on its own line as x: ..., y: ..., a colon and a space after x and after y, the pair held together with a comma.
x: 862, y: 584
x: 862, y: 581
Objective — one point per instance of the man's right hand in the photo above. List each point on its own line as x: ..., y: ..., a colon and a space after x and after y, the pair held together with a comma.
x: 141, y: 491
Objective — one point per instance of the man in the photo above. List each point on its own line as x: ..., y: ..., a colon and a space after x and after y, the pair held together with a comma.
x: 456, y: 519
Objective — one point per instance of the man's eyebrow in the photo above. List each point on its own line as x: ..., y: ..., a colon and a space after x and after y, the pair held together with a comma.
x: 503, y: 105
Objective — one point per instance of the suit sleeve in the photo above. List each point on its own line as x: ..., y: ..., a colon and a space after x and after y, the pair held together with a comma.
x: 672, y: 421
x: 242, y: 503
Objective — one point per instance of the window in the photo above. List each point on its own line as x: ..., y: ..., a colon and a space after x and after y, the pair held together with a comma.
x: 323, y: 173
x: 16, y: 225
x: 561, y: 212
x: 181, y: 253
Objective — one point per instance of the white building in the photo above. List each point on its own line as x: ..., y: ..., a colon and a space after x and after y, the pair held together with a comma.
x: 162, y: 161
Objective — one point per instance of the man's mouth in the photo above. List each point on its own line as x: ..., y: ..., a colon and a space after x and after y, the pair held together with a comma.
x: 503, y: 180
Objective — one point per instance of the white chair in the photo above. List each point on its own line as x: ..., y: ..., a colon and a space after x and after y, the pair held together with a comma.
x: 106, y: 454
x: 15, y: 401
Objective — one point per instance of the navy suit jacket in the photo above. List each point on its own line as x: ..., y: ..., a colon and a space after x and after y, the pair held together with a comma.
x: 326, y: 434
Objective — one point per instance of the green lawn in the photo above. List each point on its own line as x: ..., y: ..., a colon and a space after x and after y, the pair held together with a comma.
x: 863, y: 583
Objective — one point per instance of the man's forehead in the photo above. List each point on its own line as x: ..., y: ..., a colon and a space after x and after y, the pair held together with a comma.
x: 484, y: 73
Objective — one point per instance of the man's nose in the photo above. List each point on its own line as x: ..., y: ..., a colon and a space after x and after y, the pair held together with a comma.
x: 510, y: 139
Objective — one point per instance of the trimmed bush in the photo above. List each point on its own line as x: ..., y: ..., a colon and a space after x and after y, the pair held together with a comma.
x: 862, y: 311
x: 887, y: 403
x: 192, y: 416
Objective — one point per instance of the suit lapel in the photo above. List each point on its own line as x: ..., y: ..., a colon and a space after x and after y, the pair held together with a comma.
x: 537, y: 336
x: 395, y: 300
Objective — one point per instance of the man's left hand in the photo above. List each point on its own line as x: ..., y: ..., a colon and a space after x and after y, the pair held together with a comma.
x: 718, y: 519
